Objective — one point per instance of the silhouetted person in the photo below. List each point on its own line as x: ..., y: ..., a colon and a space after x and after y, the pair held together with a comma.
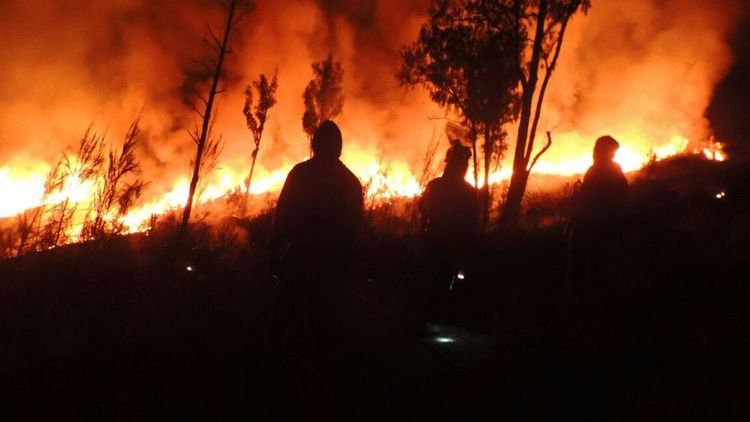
x: 604, y: 189
x: 599, y: 210
x: 317, y: 217
x: 450, y: 214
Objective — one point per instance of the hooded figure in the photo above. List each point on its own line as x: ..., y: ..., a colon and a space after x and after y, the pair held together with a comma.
x: 599, y: 210
x: 317, y: 217
x: 449, y: 205
x: 320, y: 205
x: 604, y: 190
x: 450, y: 214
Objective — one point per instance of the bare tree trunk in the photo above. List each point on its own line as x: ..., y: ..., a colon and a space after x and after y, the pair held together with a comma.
x: 474, y: 157
x: 488, y: 144
x: 550, y: 67
x: 252, y: 168
x: 246, y: 199
x: 475, y: 160
x: 519, y: 179
x: 222, y: 51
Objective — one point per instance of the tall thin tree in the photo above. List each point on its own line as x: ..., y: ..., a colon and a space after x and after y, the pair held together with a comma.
x: 547, y: 20
x: 234, y: 11
x: 256, y: 118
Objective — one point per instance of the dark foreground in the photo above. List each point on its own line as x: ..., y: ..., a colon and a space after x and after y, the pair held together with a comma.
x: 123, y: 329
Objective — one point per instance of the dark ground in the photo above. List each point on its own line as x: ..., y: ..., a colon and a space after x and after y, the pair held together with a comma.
x: 122, y: 329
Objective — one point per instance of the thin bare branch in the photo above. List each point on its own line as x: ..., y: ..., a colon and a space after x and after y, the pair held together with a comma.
x: 195, y: 109
x: 542, y: 151
x: 214, y: 38
x: 543, y: 88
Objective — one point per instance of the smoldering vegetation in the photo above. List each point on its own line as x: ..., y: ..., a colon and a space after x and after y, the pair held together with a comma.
x: 132, y: 327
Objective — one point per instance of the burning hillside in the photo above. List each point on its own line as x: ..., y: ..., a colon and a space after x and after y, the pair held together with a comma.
x: 639, y: 71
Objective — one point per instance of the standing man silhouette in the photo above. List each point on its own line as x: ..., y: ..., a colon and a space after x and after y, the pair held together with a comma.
x: 317, y: 217
x: 604, y: 189
x: 450, y: 217
x: 599, y: 210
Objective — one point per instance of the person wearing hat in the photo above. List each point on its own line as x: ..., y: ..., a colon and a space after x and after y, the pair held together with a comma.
x: 599, y: 209
x: 312, y: 235
x: 449, y: 208
x: 604, y: 187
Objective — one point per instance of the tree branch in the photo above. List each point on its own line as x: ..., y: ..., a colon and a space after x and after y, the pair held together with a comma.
x: 195, y: 109
x: 192, y: 136
x: 542, y: 151
x: 213, y: 36
x: 545, y: 83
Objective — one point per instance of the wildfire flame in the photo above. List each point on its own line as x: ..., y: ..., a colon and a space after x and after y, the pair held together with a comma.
x: 25, y: 190
x: 641, y: 71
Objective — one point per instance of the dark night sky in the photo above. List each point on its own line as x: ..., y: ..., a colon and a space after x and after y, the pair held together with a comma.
x: 729, y: 111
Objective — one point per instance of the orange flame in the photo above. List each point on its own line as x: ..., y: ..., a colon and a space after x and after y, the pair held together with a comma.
x: 25, y: 190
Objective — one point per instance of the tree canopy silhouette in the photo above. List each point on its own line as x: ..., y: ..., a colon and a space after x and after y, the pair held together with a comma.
x: 324, y: 98
x: 483, y: 59
x: 469, y: 67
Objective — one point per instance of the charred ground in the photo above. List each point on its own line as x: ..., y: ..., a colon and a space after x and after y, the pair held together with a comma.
x: 130, y: 327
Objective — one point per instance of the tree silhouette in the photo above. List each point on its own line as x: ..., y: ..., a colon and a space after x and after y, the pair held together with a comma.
x: 117, y: 190
x: 234, y: 11
x: 256, y: 117
x: 547, y: 20
x: 483, y: 59
x: 471, y: 68
x: 324, y: 98
x: 70, y: 173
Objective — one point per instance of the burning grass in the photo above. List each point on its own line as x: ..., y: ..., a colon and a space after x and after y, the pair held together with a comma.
x: 90, y: 195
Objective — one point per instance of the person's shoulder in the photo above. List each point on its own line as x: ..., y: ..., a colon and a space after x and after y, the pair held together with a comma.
x: 350, y: 176
x: 434, y: 182
x: 620, y: 175
x: 468, y: 187
x: 304, y: 164
x: 590, y: 173
x: 439, y: 185
x: 614, y: 170
x: 301, y: 168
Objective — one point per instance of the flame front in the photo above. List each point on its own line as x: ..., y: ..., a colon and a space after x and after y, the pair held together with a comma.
x: 642, y: 71
x: 21, y: 191
x: 382, y: 181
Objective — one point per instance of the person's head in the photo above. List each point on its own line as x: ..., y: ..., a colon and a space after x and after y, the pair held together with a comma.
x: 457, y: 159
x: 605, y: 149
x: 326, y: 142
